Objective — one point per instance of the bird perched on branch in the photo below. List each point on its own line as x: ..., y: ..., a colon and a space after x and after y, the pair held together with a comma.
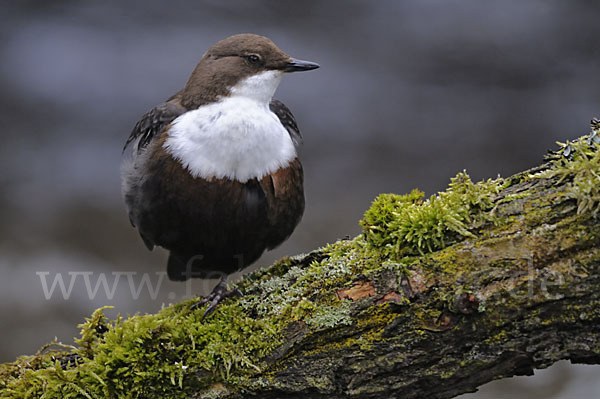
x: 214, y: 175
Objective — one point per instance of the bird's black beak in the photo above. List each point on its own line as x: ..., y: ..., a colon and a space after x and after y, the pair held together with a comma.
x: 298, y: 65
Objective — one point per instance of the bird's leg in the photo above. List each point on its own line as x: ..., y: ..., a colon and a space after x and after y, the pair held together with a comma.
x: 218, y: 293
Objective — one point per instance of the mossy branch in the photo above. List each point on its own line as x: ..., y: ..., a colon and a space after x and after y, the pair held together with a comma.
x: 435, y: 298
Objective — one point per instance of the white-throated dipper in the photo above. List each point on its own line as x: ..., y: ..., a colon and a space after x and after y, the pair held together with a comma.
x: 214, y: 176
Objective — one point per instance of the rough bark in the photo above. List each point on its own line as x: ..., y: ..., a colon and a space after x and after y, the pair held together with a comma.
x: 522, y: 296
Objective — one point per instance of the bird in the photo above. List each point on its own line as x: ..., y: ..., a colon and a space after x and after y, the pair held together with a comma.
x: 213, y: 174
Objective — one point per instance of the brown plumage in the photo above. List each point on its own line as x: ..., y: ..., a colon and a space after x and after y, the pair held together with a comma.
x: 227, y: 222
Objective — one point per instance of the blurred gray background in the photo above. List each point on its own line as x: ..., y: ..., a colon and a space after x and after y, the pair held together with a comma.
x: 409, y: 93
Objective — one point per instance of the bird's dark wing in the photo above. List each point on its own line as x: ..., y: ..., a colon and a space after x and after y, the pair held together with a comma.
x: 287, y: 120
x: 153, y: 122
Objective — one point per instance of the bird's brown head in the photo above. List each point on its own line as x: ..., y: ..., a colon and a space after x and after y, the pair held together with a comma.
x: 232, y: 60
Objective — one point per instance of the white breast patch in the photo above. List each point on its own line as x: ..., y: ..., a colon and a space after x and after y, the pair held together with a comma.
x: 237, y: 137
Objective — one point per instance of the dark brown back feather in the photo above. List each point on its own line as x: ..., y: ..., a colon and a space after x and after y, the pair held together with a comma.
x: 153, y: 123
x: 287, y: 120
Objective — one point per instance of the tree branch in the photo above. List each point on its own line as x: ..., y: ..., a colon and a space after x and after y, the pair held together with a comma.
x: 518, y: 297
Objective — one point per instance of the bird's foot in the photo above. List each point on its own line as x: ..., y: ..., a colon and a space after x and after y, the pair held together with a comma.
x: 218, y: 293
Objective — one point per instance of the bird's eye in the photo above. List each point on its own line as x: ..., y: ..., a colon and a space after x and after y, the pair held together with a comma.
x: 253, y: 58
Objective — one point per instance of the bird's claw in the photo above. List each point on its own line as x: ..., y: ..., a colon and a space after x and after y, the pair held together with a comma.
x: 219, y: 293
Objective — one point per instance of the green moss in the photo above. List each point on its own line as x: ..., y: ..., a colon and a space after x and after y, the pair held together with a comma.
x: 92, y: 332
x: 383, y: 212
x: 161, y: 355
x: 31, y: 368
x: 579, y: 161
x: 406, y: 225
